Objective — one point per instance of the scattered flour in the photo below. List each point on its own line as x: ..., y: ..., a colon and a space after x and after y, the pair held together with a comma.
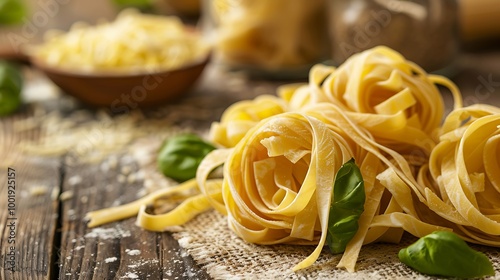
x: 111, y: 259
x: 108, y: 233
x: 75, y: 180
x: 185, y: 241
x: 131, y: 275
x: 133, y: 252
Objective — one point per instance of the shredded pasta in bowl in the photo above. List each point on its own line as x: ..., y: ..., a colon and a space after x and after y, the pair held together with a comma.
x: 138, y: 60
x: 132, y: 43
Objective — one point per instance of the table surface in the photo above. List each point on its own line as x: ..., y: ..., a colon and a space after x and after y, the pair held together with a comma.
x: 52, y: 241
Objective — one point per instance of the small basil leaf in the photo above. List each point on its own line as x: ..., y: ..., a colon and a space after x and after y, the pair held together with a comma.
x: 12, y: 12
x: 11, y: 83
x: 180, y: 156
x: 444, y: 253
x: 348, y: 199
x: 142, y: 5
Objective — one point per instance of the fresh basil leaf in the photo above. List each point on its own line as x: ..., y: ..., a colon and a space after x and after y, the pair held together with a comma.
x: 444, y: 253
x: 142, y: 5
x: 11, y: 83
x: 12, y: 12
x: 180, y: 156
x: 348, y: 200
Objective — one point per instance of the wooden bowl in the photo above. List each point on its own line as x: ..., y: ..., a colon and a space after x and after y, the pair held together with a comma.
x: 134, y: 90
x: 118, y: 90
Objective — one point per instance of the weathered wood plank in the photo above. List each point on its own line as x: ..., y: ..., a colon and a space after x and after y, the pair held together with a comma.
x: 118, y: 250
x: 29, y: 211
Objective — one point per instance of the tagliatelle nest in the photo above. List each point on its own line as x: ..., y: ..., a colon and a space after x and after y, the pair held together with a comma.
x: 281, y: 154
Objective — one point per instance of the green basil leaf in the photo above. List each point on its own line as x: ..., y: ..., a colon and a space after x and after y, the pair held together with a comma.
x: 142, y: 5
x: 11, y: 82
x: 12, y: 12
x: 348, y: 200
x: 444, y: 253
x: 180, y: 156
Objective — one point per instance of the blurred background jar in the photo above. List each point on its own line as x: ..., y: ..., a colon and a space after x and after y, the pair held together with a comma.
x: 190, y: 9
x: 424, y: 31
x: 272, y: 38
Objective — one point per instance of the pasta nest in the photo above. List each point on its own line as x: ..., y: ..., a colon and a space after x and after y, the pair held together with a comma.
x: 394, y: 99
x: 464, y: 172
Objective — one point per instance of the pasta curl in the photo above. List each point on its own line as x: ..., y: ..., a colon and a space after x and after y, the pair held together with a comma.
x: 278, y: 181
x: 465, y: 167
x: 397, y: 101
x: 238, y: 118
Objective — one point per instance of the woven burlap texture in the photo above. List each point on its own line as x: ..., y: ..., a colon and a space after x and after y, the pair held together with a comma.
x: 224, y: 255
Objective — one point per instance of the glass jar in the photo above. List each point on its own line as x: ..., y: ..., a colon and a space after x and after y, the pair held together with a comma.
x: 424, y: 31
x: 273, y: 38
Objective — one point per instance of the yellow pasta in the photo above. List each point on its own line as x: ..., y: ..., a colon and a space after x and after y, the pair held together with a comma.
x: 388, y: 171
x: 103, y: 216
x: 465, y: 166
x: 279, y: 178
x: 391, y: 97
x: 132, y: 43
x: 243, y: 115
x: 280, y: 156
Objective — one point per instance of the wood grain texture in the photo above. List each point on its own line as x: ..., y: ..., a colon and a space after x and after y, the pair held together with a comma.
x: 27, y: 234
x: 118, y: 250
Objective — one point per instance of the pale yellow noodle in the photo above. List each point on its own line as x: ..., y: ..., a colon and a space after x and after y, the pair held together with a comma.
x: 465, y: 165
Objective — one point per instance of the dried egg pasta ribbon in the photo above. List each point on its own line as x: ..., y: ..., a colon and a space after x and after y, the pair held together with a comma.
x: 183, y: 213
x: 238, y: 118
x: 279, y: 177
x: 212, y: 188
x: 333, y: 115
x: 391, y: 97
x: 465, y: 165
x: 397, y: 178
x: 107, y: 215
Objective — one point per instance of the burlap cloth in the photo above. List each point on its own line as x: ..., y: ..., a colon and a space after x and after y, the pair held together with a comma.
x: 224, y: 255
